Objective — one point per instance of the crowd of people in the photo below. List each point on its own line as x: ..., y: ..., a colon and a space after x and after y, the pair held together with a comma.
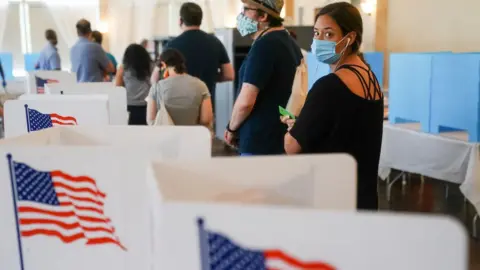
x: 343, y: 112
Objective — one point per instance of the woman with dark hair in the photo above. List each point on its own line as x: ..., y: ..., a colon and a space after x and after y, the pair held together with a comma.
x: 134, y: 75
x: 186, y: 98
x: 343, y: 112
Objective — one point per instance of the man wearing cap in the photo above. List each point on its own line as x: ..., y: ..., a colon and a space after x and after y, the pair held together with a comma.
x: 265, y: 80
x: 89, y: 60
x: 49, y: 58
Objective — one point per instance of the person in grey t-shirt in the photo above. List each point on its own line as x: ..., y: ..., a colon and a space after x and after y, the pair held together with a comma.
x: 134, y: 75
x: 186, y: 98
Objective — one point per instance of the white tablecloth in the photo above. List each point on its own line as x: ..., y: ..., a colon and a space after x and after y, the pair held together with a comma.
x: 449, y: 157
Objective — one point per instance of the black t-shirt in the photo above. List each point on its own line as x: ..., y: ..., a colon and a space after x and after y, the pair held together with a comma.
x: 204, y: 55
x: 335, y: 120
x: 270, y: 66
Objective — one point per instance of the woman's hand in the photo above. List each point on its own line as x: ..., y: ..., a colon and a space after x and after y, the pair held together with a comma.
x: 287, y: 121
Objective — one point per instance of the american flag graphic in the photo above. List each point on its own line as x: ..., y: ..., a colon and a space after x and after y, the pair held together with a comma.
x: 37, y: 120
x: 41, y: 84
x: 56, y: 204
x: 218, y: 252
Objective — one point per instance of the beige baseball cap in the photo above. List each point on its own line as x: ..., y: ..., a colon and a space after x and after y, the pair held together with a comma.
x: 271, y: 7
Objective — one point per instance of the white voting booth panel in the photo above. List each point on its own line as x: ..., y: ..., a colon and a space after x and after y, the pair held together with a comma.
x: 186, y: 142
x: 314, y: 181
x: 25, y: 116
x: 77, y: 208
x: 36, y: 80
x: 205, y: 236
x: 14, y: 88
x: 68, y: 88
x: 117, y: 96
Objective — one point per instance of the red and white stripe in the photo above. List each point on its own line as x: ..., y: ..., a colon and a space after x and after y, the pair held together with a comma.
x: 79, y: 216
x: 277, y: 259
x: 58, y: 120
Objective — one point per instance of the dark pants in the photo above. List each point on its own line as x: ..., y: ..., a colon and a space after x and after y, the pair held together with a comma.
x: 367, y: 195
x: 138, y: 115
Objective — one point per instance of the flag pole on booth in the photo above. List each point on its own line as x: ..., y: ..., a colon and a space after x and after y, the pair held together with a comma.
x: 28, y: 118
x: 203, y: 241
x: 15, y: 209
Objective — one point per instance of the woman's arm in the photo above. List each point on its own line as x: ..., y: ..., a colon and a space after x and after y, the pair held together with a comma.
x: 291, y: 144
x: 151, y: 111
x: 155, y: 75
x: 119, y: 78
x: 206, y: 113
x: 316, y: 119
x: 152, y: 105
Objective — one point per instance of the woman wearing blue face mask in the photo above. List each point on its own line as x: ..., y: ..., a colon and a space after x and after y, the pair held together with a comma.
x: 265, y: 80
x: 343, y: 112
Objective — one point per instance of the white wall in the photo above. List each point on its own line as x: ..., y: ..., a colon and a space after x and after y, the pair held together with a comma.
x: 369, y: 32
x: 12, y: 41
x: 432, y: 25
x: 309, y: 7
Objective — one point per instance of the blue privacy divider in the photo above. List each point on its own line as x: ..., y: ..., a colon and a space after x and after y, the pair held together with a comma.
x: 30, y: 61
x: 455, y: 94
x: 7, y: 64
x: 316, y: 70
x: 375, y: 60
x: 409, y: 88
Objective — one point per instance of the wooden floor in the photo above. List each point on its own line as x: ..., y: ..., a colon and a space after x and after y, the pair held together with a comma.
x: 436, y: 197
x: 411, y: 197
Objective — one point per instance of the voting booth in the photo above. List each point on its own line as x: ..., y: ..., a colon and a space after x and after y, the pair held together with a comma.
x: 455, y: 94
x: 33, y: 112
x: 304, y: 181
x: 36, y: 80
x: 438, y: 90
x: 30, y: 61
x: 264, y: 237
x: 117, y: 96
x: 410, y: 88
x: 65, y: 208
x: 79, y: 198
x: 316, y: 70
x: 7, y: 64
x: 171, y: 142
x: 14, y: 87
x: 312, y: 181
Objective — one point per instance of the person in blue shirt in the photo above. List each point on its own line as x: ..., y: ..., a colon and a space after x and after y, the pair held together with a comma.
x: 265, y: 80
x: 97, y: 37
x: 206, y: 57
x: 89, y: 60
x: 49, y: 58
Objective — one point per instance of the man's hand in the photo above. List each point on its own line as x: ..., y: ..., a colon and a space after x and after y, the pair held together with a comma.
x: 231, y: 138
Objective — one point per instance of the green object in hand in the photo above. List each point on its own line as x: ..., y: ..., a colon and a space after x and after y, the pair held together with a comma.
x: 284, y: 112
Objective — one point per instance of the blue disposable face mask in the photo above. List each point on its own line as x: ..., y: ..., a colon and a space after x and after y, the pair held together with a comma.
x: 245, y: 25
x: 325, y: 51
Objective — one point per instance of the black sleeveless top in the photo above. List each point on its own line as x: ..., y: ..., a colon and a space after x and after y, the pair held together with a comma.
x: 335, y: 120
